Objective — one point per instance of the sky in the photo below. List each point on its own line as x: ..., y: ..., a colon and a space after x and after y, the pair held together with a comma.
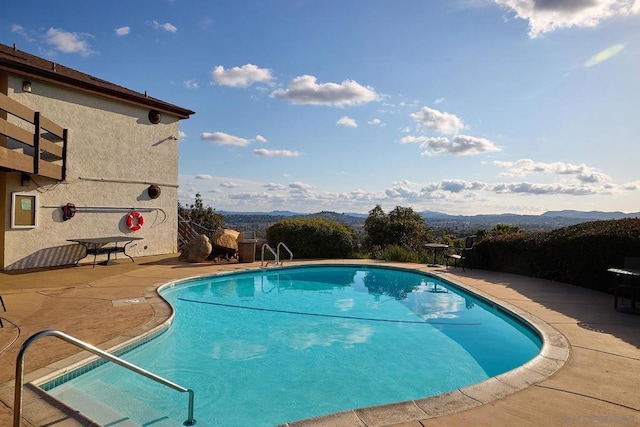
x: 461, y: 106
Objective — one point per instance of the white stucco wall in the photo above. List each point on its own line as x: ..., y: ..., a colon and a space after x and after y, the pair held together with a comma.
x: 108, y: 140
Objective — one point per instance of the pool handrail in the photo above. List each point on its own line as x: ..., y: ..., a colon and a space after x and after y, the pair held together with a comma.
x: 287, y: 249
x: 19, y: 381
x: 275, y: 255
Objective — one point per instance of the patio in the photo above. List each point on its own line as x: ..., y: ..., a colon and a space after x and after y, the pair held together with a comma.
x: 108, y: 305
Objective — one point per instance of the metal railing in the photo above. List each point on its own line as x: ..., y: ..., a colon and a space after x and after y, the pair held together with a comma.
x: 19, y: 382
x: 281, y: 244
x: 275, y: 253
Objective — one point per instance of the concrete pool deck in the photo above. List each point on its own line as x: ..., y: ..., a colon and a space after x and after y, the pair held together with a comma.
x: 108, y: 305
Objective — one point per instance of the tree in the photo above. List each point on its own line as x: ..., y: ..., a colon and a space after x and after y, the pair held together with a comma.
x: 201, y: 215
x: 501, y: 229
x: 402, y: 226
x: 375, y: 227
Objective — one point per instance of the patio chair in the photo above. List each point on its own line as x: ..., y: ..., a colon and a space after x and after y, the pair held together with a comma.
x: 627, y: 282
x: 463, y: 255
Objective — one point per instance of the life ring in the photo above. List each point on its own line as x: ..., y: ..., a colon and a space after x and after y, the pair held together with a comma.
x: 135, y: 221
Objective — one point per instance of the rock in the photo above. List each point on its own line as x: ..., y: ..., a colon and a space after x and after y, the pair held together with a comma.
x: 197, y: 250
x: 225, y: 239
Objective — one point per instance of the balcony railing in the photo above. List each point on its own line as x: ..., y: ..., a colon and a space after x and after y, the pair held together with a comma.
x: 38, y: 146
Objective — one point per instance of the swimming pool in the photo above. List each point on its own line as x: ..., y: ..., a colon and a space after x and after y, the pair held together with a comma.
x: 271, y: 346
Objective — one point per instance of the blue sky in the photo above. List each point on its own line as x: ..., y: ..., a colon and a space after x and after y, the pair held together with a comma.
x: 459, y: 106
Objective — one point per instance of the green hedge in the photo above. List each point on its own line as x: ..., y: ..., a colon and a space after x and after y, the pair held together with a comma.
x: 313, y: 237
x: 579, y: 254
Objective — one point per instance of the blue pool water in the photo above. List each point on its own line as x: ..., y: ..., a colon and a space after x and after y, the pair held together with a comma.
x: 271, y: 346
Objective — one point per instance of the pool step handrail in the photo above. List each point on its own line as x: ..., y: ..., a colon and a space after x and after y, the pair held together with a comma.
x: 19, y: 381
x: 281, y: 244
x: 270, y: 249
x: 276, y: 254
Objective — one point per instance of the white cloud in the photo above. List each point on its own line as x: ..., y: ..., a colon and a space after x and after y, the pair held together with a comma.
x: 523, y: 167
x: 300, y: 188
x: 458, y: 185
x: 247, y: 196
x: 182, y: 135
x: 275, y: 153
x: 15, y: 28
x: 540, y: 189
x: 438, y: 121
x: 208, y: 177
x: 411, y: 139
x: 18, y: 29
x: 439, y: 101
x: 375, y: 122
x: 122, y: 31
x: 260, y: 138
x: 347, y: 121
x: 240, y: 76
x: 229, y: 185
x: 68, y: 42
x: 165, y: 27
x: 273, y: 186
x: 631, y: 186
x: 306, y: 90
x: 402, y: 193
x: 221, y: 138
x: 191, y: 84
x: 459, y: 145
x: 545, y: 16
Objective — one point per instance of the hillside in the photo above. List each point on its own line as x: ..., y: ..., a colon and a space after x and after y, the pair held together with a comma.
x: 456, y: 224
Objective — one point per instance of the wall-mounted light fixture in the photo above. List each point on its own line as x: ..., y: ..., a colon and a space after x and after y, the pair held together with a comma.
x: 26, y: 86
x: 25, y: 180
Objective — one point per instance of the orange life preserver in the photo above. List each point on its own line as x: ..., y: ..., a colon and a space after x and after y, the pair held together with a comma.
x: 135, y: 221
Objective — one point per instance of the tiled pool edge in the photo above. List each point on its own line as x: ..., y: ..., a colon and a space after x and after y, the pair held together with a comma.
x: 554, y: 354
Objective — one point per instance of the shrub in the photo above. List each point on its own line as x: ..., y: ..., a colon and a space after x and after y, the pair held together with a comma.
x: 579, y: 254
x: 313, y: 237
x: 399, y: 253
x: 203, y: 216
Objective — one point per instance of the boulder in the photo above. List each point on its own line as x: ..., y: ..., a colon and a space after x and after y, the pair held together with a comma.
x: 225, y: 239
x: 197, y: 250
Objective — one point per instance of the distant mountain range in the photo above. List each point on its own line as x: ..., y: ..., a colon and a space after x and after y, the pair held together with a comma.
x: 547, y: 221
x: 592, y: 215
x: 585, y: 216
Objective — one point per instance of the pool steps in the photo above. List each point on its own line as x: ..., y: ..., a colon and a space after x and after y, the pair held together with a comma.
x: 137, y: 413
x: 19, y: 380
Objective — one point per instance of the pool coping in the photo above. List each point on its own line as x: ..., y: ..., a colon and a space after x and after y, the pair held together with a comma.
x: 555, y: 352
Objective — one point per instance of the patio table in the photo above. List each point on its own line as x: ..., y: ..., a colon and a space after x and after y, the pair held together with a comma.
x: 102, y: 245
x: 435, y: 247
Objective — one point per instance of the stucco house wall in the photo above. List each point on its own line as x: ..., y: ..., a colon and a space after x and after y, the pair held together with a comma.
x: 114, y: 153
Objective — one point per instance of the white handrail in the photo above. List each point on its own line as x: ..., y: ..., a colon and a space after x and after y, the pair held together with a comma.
x: 287, y: 249
x: 19, y: 382
x: 266, y: 245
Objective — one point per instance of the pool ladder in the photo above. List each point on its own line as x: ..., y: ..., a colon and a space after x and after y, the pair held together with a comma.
x: 19, y: 382
x: 276, y: 254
